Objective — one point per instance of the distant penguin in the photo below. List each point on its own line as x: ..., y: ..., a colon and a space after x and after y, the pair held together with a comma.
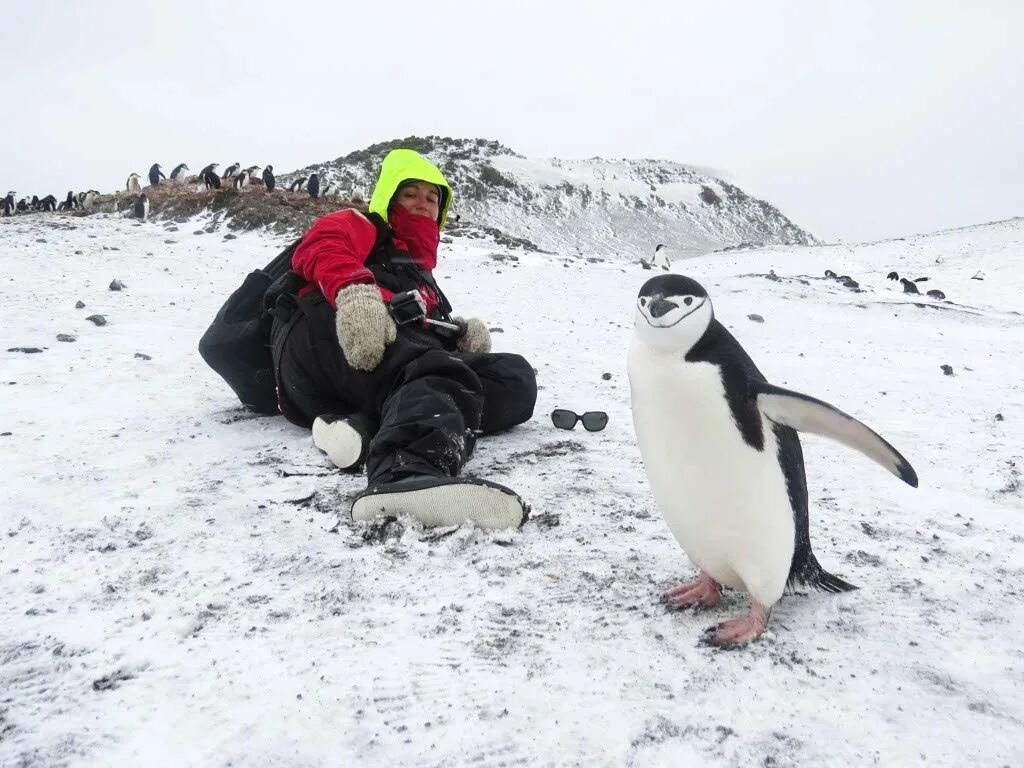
x: 720, y: 447
x: 142, y: 207
x: 830, y: 274
x: 313, y: 185
x: 252, y: 170
x: 177, y: 171
x: 230, y: 171
x: 67, y: 203
x: 661, y: 257
x: 908, y: 287
x: 935, y: 293
x: 88, y: 199
x: 23, y: 205
x: 210, y: 177
x: 132, y: 185
x: 268, y: 177
x: 48, y: 203
x: 892, y: 276
x: 241, y: 180
x: 296, y: 186
x: 9, y: 204
x: 34, y: 203
x: 155, y: 174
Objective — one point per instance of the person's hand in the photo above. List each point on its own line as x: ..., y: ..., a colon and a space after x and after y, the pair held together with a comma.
x: 364, y: 325
x: 474, y: 336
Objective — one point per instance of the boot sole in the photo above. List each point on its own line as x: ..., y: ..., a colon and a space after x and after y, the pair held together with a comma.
x: 441, y: 502
x: 340, y: 441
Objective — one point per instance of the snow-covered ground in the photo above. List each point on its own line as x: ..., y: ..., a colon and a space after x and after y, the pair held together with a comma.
x: 180, y: 584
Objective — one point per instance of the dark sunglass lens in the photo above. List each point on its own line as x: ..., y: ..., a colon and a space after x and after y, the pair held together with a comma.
x: 563, y: 419
x: 595, y: 421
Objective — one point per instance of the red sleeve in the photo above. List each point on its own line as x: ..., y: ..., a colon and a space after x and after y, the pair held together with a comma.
x: 333, y: 252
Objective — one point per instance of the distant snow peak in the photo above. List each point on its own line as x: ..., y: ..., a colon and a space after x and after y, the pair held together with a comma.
x: 608, y: 207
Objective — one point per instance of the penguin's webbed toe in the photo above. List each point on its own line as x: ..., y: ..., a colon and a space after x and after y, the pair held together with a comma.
x: 736, y: 633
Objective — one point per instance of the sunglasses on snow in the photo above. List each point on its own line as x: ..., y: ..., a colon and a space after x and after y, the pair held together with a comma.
x: 593, y: 421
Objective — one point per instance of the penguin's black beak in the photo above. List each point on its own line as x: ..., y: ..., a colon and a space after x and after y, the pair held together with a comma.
x: 661, y: 306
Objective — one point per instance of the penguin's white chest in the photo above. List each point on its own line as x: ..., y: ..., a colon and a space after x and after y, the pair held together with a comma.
x: 725, y: 502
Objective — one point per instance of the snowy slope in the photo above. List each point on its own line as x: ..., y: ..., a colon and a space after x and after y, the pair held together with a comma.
x: 181, y: 586
x: 595, y: 206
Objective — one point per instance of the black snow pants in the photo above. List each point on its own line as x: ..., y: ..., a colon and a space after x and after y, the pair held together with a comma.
x: 428, y: 403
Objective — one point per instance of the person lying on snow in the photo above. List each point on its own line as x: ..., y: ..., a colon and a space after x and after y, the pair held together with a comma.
x: 407, y: 400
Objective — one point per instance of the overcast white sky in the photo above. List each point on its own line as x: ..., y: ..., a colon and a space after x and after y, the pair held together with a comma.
x: 859, y: 120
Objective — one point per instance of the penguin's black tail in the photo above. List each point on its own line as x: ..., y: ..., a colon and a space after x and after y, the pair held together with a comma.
x: 811, y: 574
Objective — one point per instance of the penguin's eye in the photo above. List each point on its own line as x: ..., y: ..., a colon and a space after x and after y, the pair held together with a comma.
x: 688, y: 300
x: 643, y: 302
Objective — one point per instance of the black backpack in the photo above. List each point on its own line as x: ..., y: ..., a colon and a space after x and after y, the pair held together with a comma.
x: 237, y: 343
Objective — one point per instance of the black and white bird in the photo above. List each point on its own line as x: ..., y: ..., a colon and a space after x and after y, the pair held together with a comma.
x: 177, y: 171
x: 313, y: 185
x: 209, y: 176
x: 230, y: 171
x: 155, y: 174
x: 297, y: 185
x: 720, y: 447
x: 132, y: 186
x: 268, y: 177
x: 241, y: 180
x: 9, y: 204
x: 142, y: 206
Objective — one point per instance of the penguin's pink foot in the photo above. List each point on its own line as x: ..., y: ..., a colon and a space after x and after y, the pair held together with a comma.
x: 704, y: 591
x: 738, y: 632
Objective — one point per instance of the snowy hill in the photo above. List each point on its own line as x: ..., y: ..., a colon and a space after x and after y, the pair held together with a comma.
x: 181, y: 585
x: 596, y: 206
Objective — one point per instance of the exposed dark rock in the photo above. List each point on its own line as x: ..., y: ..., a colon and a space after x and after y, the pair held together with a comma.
x: 141, y: 356
x: 79, y: 305
x: 755, y: 318
x: 947, y: 369
x: 65, y: 337
x: 97, y: 319
x: 606, y: 376
x: 26, y: 350
x: 116, y: 285
x: 936, y: 294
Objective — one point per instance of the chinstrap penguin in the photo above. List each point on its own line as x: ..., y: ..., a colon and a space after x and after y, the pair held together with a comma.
x: 177, y: 171
x: 721, y: 451
x: 132, y: 185
x: 268, y: 177
x: 142, y: 206
x: 155, y: 174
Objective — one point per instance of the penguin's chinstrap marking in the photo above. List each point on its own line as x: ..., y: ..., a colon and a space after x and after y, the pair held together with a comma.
x: 722, y: 454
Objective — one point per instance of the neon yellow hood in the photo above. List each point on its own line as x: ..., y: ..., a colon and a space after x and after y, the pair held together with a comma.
x: 400, y: 165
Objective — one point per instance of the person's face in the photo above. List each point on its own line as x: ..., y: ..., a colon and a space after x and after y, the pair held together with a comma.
x: 420, y: 198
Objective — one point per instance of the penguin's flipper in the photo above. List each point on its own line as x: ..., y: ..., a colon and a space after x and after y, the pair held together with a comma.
x: 807, y: 414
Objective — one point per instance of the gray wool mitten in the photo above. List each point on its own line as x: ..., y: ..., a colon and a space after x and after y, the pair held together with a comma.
x: 475, y: 336
x: 364, y: 325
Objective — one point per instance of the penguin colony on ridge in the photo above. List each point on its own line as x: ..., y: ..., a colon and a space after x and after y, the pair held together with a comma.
x: 722, y: 454
x: 84, y: 200
x: 208, y: 176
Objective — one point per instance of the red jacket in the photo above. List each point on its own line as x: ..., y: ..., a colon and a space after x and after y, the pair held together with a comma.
x: 333, y: 253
